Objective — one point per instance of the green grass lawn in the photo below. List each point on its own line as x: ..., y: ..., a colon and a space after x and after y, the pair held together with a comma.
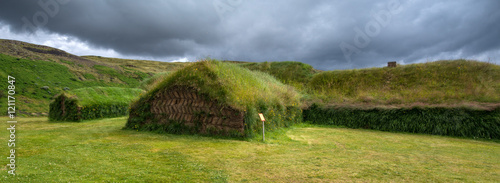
x: 100, y: 151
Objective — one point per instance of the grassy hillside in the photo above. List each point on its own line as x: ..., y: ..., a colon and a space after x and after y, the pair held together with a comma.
x: 442, y: 82
x: 30, y: 51
x: 296, y: 74
x: 151, y: 82
x: 82, y: 68
x: 38, y: 81
x: 36, y: 67
x: 145, y: 66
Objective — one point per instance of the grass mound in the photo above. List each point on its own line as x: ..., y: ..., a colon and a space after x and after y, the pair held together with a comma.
x: 441, y: 82
x: 92, y: 102
x: 227, y: 85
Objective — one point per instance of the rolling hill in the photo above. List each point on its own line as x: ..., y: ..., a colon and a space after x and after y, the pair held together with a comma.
x: 43, y: 72
x: 445, y: 83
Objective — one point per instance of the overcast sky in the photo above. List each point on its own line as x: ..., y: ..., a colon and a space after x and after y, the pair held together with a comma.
x: 328, y: 34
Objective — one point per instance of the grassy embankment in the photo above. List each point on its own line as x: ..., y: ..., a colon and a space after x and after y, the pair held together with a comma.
x: 100, y: 151
x: 446, y: 83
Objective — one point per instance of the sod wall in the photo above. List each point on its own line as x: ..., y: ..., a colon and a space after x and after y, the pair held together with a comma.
x: 458, y: 122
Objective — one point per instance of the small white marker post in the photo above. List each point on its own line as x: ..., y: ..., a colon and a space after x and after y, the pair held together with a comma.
x: 262, y: 119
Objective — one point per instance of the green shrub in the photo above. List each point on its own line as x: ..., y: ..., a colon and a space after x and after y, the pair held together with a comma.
x: 92, y: 103
x: 459, y: 122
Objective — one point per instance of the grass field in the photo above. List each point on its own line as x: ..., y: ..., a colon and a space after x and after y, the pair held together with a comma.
x: 100, y: 151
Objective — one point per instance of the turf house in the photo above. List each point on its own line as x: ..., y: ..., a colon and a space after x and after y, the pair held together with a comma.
x: 215, y: 98
x: 92, y: 103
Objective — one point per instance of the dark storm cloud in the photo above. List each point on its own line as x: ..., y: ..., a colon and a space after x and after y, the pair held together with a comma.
x: 325, y: 34
x: 130, y: 27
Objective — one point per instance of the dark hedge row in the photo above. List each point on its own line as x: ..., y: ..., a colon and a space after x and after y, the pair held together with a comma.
x: 459, y: 122
x: 74, y: 112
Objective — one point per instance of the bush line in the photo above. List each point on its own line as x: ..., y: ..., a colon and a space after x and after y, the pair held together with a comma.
x: 458, y: 122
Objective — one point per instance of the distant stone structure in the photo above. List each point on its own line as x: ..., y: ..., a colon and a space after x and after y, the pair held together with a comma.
x: 391, y: 64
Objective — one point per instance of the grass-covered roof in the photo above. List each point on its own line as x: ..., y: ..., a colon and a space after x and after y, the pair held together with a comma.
x: 232, y: 85
x: 95, y: 95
